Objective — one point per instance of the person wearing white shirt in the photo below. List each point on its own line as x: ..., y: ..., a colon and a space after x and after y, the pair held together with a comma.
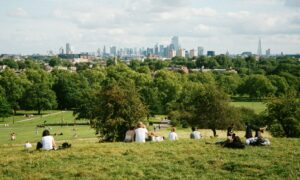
x: 140, y: 133
x: 173, y: 135
x: 48, y: 142
x: 195, y: 134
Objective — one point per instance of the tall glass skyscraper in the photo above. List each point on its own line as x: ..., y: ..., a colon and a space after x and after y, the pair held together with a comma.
x: 175, y: 43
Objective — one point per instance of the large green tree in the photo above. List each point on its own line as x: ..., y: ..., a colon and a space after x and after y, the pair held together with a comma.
x: 205, y: 106
x: 14, y: 87
x: 39, y: 94
x: 283, y: 114
x: 257, y: 86
x: 116, y: 108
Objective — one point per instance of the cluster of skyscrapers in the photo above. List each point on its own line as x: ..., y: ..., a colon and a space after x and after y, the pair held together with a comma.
x: 158, y: 51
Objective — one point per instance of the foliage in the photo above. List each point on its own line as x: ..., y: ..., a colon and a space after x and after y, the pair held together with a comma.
x: 117, y: 108
x: 206, y: 107
x: 14, y: 87
x: 283, y: 113
x: 257, y: 86
x: 38, y: 94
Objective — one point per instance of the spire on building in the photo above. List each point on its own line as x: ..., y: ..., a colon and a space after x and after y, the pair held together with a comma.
x: 259, y: 50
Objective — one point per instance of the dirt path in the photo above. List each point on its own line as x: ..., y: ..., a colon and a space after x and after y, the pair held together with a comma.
x: 30, y: 119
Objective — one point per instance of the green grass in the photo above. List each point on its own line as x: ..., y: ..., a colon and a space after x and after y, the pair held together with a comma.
x: 26, y: 130
x: 184, y: 159
x: 258, y: 107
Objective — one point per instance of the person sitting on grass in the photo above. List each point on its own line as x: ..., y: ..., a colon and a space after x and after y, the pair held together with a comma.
x: 47, y: 142
x: 234, y: 143
x: 173, y: 135
x: 195, y: 134
x: 259, y: 140
x: 13, y: 136
x: 230, y: 131
x: 140, y: 133
x: 129, y: 136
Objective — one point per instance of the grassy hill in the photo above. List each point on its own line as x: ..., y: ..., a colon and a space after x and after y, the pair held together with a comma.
x: 184, y: 159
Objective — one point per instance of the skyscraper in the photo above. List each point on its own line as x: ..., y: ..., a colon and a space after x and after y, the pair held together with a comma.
x: 259, y: 51
x: 181, y: 53
x: 268, y: 52
x: 175, y: 43
x: 68, y: 48
x: 193, y: 53
x: 113, y: 50
x: 156, y: 49
x: 61, y: 50
x: 200, y: 51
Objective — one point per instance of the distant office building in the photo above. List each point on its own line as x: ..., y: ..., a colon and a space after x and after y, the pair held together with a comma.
x: 211, y: 53
x: 161, y: 50
x: 172, y: 53
x: 68, y: 48
x: 268, y: 52
x: 193, y: 53
x: 181, y: 53
x: 175, y: 43
x: 150, y: 51
x: 259, y: 49
x: 61, y: 51
x: 104, y: 50
x: 200, y: 51
x: 187, y: 54
x: 98, y: 52
x: 113, y: 50
x: 156, y: 50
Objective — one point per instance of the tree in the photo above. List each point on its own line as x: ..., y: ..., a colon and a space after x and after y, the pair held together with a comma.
x: 5, y: 109
x: 283, y: 113
x: 229, y: 82
x: 55, y: 61
x: 206, y: 106
x: 116, y: 108
x: 169, y: 86
x: 280, y: 83
x: 39, y: 95
x: 257, y: 86
x: 14, y: 87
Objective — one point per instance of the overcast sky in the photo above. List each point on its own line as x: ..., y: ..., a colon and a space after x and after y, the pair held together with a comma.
x: 36, y: 26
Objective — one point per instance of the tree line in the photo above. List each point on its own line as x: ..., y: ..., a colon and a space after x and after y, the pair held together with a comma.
x: 116, y: 96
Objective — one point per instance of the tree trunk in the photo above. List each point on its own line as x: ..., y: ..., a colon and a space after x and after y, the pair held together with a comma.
x: 214, y: 132
x: 39, y: 112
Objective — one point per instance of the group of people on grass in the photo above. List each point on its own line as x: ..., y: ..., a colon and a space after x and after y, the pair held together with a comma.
x: 140, y: 134
x: 234, y: 141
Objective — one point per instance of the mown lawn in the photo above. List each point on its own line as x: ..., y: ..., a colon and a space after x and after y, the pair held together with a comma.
x: 184, y: 159
x: 258, y: 107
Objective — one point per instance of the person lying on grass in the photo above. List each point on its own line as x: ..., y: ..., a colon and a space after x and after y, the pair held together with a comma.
x: 234, y: 143
x: 154, y: 138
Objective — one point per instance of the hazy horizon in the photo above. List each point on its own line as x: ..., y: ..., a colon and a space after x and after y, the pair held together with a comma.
x: 37, y: 26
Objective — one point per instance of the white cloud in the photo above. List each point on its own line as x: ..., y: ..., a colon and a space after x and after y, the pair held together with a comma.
x: 137, y: 23
x: 18, y: 12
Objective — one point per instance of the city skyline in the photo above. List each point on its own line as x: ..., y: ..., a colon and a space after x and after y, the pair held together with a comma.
x: 34, y: 26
